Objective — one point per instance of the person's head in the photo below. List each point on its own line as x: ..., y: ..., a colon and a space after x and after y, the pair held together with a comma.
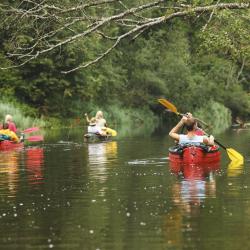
x: 99, y: 114
x: 8, y: 118
x: 5, y: 125
x: 190, y: 124
x: 92, y: 121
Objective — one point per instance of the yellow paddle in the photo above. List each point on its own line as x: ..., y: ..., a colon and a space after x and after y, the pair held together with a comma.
x: 235, y: 168
x: 172, y: 108
x: 110, y: 131
x: 232, y: 153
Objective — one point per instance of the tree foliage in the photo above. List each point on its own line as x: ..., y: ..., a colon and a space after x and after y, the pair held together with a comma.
x: 125, y: 54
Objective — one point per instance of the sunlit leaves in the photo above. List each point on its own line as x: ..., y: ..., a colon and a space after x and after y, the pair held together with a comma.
x: 228, y: 34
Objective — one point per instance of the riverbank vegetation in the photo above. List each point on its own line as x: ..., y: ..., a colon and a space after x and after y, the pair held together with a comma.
x: 24, y: 115
x: 198, y: 60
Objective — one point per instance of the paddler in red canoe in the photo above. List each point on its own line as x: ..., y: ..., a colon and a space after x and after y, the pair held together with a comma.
x: 194, y: 134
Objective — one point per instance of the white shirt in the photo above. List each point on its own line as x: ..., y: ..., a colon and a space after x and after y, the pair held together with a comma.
x: 193, y: 140
x: 101, y: 122
x: 94, y: 129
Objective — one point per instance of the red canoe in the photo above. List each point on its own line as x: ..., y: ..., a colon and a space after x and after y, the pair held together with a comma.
x: 9, y: 145
x: 202, y: 155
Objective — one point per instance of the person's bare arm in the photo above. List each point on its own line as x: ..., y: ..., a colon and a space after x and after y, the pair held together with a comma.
x: 208, y: 140
x: 87, y: 118
x: 173, y: 133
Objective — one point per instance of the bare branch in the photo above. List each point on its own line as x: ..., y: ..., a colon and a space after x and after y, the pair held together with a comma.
x: 65, y: 23
x: 210, y: 17
x: 241, y: 68
x: 98, y: 25
x: 88, y: 5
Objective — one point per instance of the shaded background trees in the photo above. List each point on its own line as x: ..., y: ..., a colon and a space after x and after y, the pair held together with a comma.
x: 195, y: 60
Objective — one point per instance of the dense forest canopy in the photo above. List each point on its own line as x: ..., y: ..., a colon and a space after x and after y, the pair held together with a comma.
x: 67, y: 57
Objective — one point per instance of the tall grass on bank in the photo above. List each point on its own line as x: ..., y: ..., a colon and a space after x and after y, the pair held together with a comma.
x: 133, y: 121
x: 216, y: 115
x: 22, y: 121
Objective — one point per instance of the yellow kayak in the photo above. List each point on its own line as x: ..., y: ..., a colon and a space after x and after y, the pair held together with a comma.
x: 111, y: 132
x: 91, y: 137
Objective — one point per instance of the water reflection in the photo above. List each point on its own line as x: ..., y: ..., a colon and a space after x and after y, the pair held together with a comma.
x: 11, y: 162
x: 235, y: 168
x: 9, y: 176
x: 34, y: 164
x: 99, y: 155
x: 193, y: 185
x: 196, y: 183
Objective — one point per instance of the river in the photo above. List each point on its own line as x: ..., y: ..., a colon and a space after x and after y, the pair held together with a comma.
x: 66, y: 194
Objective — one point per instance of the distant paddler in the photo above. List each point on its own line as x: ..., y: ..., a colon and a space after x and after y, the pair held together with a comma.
x: 94, y: 129
x: 12, y: 125
x: 102, y: 124
x: 7, y: 134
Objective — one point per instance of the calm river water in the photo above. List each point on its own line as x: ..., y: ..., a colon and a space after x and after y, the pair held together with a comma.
x: 67, y: 194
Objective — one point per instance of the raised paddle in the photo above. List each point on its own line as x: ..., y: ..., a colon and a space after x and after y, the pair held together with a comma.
x: 232, y: 153
x: 172, y: 108
x: 30, y: 130
x: 35, y: 138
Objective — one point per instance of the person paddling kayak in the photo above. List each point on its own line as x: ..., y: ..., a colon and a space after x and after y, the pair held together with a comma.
x: 12, y: 125
x: 191, y: 137
x: 7, y: 134
x: 102, y: 124
x: 100, y: 121
x: 94, y: 129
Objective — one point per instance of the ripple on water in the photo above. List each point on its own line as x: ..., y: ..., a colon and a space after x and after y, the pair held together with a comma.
x: 150, y: 161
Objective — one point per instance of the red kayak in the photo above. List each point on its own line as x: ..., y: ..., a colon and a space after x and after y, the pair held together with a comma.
x: 196, y: 155
x: 8, y: 145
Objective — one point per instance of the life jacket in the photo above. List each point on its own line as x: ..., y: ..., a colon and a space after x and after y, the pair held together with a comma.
x: 5, y: 137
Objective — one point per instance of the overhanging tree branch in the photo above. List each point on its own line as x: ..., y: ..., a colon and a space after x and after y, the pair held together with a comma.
x: 71, y: 24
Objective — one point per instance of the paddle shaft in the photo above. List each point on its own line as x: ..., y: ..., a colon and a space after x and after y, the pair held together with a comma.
x: 30, y: 130
x: 34, y: 138
x: 171, y: 107
x: 220, y: 144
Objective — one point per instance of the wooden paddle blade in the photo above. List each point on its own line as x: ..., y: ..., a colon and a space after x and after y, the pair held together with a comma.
x: 168, y: 105
x: 234, y: 155
x: 30, y: 130
x: 35, y: 138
